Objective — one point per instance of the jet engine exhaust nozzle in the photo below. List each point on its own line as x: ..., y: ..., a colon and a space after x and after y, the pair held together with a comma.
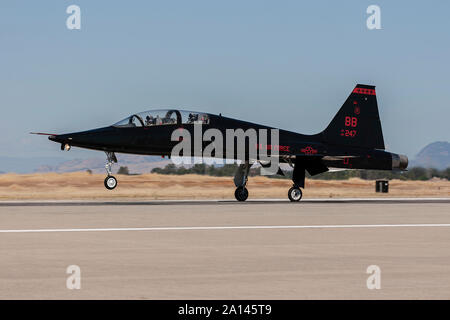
x: 399, y: 161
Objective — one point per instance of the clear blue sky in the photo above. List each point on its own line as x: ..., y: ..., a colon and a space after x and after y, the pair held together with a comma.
x: 284, y: 63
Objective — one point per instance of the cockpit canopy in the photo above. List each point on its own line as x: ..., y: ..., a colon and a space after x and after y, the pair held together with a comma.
x: 163, y: 117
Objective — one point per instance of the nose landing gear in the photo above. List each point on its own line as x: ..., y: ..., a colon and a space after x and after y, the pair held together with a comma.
x: 110, y: 181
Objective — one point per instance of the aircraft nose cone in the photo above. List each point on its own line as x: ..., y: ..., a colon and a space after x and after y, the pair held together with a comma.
x: 91, y: 138
x: 63, y: 138
x: 55, y: 138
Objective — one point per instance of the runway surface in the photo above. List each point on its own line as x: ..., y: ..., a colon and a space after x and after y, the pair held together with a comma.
x: 318, y: 249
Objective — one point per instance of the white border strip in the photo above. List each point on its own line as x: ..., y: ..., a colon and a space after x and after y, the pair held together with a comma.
x: 344, y: 226
x: 119, y: 201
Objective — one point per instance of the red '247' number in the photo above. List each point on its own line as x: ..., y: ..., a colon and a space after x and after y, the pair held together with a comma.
x: 351, y: 121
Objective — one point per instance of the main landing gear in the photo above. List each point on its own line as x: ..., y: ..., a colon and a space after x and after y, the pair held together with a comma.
x: 110, y: 180
x: 241, y: 193
x: 295, y: 194
x: 298, y: 177
x: 241, y: 177
x: 240, y: 181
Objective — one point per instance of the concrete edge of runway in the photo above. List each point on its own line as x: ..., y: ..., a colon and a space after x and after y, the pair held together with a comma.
x: 216, y: 201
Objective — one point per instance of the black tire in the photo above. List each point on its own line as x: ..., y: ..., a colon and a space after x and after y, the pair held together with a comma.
x: 295, y: 194
x: 110, y: 182
x: 241, y: 193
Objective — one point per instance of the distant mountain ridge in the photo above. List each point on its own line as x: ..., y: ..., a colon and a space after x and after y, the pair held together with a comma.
x: 27, y: 164
x: 135, y: 164
x: 435, y: 155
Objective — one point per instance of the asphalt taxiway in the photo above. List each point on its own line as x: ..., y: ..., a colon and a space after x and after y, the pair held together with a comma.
x: 269, y: 249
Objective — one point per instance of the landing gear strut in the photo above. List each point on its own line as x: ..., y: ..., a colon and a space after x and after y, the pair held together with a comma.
x: 110, y: 181
x: 240, y: 181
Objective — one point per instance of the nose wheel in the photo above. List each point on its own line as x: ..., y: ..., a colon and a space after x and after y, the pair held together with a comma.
x: 110, y: 182
x: 295, y: 194
x: 241, y: 193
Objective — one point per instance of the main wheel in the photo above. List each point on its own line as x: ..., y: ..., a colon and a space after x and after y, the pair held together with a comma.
x: 241, y: 194
x: 110, y: 182
x: 295, y: 194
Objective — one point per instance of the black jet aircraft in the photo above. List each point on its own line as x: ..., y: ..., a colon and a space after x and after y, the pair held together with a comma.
x: 352, y: 140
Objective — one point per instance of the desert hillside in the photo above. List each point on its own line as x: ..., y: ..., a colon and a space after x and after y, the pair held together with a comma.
x: 81, y: 185
x: 435, y: 155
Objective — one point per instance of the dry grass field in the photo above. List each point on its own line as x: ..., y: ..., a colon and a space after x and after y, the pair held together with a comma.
x: 85, y: 186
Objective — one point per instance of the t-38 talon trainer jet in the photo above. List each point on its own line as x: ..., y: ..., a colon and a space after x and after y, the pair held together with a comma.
x: 353, y: 140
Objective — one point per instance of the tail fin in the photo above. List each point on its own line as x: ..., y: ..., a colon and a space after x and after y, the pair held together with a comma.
x: 357, y: 123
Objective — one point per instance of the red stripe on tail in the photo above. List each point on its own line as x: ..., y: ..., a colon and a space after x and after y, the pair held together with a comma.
x: 370, y: 92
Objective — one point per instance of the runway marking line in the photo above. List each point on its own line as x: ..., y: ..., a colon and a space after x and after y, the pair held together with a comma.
x: 344, y: 226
